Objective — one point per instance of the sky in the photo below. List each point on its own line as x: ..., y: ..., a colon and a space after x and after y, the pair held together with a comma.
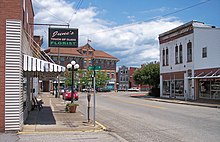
x: 126, y: 29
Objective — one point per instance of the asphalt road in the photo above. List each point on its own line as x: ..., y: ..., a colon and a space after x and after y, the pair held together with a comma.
x: 139, y: 120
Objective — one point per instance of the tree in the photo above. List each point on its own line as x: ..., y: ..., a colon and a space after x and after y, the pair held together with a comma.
x: 101, y: 78
x: 149, y: 74
x: 86, y: 79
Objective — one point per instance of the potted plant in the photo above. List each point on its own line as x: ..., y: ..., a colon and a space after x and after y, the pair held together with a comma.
x: 71, y: 107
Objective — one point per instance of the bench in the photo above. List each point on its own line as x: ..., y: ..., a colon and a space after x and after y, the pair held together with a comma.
x: 37, y: 103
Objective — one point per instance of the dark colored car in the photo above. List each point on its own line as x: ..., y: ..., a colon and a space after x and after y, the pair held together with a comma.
x: 68, y: 92
x: 103, y: 90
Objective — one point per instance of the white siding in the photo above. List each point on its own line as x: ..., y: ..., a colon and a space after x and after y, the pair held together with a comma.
x: 13, y: 77
x: 210, y: 38
x: 171, y: 47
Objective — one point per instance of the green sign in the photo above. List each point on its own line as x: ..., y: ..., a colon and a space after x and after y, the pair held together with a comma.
x: 94, y: 68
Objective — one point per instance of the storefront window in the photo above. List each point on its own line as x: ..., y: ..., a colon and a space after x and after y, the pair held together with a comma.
x: 166, y: 87
x: 204, y: 90
x: 179, y: 87
x: 215, y: 89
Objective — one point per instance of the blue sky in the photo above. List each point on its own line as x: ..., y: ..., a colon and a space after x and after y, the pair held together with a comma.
x: 127, y: 11
x: 107, y: 23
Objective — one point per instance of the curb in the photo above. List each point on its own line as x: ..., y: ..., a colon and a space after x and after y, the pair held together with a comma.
x: 56, y: 132
x: 186, y: 103
x: 102, y: 126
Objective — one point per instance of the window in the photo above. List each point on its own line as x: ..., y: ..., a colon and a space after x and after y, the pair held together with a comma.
x: 90, y: 62
x: 55, y: 58
x: 90, y: 52
x: 163, y: 56
x: 204, y: 52
x: 167, y: 57
x: 61, y: 58
x: 113, y: 74
x: 24, y: 5
x: 84, y: 52
x: 166, y: 87
x: 176, y: 54
x: 84, y: 63
x: 189, y: 51
x: 181, y: 53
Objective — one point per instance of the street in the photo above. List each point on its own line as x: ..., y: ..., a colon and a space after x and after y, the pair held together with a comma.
x: 141, y: 120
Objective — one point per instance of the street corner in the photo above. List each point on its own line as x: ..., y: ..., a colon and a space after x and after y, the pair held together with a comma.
x: 101, y: 126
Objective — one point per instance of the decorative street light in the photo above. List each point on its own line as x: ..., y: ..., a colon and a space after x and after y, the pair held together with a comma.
x: 72, y: 66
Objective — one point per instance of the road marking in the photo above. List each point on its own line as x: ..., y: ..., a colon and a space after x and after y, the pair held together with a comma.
x: 147, y: 105
x: 102, y: 126
x: 51, y: 105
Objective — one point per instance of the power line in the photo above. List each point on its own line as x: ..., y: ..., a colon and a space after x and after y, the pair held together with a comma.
x: 158, y: 17
x: 56, y: 17
x: 77, y: 8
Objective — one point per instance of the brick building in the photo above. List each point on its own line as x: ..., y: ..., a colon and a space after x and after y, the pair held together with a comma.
x: 87, y: 56
x: 189, y: 57
x: 22, y: 64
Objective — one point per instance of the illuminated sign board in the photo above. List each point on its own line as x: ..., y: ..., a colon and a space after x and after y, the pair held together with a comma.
x: 63, y: 37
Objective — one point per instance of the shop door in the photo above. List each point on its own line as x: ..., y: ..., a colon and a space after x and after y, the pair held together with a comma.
x: 172, y: 94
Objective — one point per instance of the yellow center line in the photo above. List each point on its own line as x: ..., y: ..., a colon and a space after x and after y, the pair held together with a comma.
x: 140, y: 104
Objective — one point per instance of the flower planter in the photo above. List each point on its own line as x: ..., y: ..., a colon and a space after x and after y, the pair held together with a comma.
x: 72, y: 109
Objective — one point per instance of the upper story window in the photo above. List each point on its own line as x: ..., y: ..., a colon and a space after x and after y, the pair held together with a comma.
x: 163, y: 57
x: 204, y: 52
x: 167, y: 57
x: 84, y: 52
x: 24, y: 5
x: 176, y: 54
x: 90, y: 53
x: 189, y: 51
x: 181, y: 53
x: 113, y: 74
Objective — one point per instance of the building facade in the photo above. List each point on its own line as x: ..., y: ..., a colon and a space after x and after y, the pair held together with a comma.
x: 22, y: 64
x: 189, y: 57
x: 87, y: 56
x: 123, y: 78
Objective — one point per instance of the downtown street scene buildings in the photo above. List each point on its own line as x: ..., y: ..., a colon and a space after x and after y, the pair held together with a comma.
x: 189, y: 64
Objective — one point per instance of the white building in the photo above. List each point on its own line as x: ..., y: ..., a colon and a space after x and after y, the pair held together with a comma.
x: 190, y: 62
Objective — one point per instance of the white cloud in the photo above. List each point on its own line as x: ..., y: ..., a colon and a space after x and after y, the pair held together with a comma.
x: 133, y: 45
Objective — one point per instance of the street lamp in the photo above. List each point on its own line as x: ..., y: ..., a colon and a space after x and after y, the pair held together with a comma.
x: 72, y: 66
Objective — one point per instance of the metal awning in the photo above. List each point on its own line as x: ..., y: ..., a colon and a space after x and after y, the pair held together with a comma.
x: 37, y: 65
x: 208, y: 75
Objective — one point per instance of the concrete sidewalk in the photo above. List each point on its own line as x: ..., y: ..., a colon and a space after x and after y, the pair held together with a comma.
x: 53, y: 118
x: 203, y: 103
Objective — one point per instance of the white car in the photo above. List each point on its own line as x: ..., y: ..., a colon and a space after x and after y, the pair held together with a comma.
x: 134, y: 89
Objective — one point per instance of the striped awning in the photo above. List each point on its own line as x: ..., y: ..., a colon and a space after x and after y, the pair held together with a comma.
x: 208, y: 75
x: 34, y: 64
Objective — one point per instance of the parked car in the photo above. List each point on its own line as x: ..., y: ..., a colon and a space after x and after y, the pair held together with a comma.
x: 68, y: 92
x: 103, y: 90
x: 134, y: 89
x: 84, y: 90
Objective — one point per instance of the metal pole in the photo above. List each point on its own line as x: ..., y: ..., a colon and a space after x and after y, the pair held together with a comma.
x: 72, y: 83
x: 58, y: 77
x: 94, y: 97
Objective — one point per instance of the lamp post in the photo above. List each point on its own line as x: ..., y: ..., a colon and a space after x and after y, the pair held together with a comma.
x: 72, y: 66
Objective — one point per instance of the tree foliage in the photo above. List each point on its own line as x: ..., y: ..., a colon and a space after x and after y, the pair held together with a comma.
x: 86, y: 79
x: 149, y: 74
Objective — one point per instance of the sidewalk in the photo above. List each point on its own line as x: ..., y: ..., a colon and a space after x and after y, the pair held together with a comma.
x: 53, y: 118
x: 203, y: 103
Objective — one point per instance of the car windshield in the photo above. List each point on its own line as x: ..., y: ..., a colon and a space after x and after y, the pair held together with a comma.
x: 69, y: 89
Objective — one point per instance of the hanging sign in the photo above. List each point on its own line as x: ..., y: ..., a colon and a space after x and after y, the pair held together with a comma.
x: 63, y: 37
